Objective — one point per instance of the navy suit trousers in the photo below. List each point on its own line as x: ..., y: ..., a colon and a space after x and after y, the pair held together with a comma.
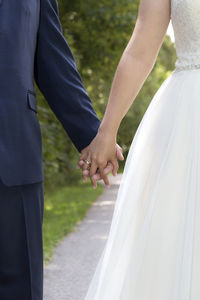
x: 21, y: 245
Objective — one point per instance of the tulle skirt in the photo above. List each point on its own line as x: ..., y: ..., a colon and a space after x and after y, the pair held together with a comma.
x: 153, y: 247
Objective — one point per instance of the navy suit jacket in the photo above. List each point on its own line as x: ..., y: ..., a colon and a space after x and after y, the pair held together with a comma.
x: 32, y: 46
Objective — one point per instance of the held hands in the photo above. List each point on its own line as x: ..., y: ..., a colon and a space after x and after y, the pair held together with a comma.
x: 100, y: 158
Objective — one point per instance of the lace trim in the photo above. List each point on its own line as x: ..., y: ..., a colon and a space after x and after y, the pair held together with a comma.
x: 188, y: 67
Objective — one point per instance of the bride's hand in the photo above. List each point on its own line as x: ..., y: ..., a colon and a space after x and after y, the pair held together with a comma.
x: 109, y: 168
x: 102, y: 156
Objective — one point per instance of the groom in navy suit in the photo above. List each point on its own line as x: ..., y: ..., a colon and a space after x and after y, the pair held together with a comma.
x: 32, y: 46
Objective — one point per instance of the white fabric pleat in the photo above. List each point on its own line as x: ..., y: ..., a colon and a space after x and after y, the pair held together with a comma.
x: 153, y: 247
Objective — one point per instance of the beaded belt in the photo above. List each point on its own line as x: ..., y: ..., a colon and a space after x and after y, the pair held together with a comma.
x: 187, y: 67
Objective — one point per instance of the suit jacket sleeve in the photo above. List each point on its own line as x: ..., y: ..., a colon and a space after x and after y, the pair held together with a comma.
x: 59, y: 81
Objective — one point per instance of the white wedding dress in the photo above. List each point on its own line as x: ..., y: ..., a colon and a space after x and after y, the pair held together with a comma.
x: 153, y: 247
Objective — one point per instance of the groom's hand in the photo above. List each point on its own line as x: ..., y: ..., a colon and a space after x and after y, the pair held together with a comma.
x: 110, y: 167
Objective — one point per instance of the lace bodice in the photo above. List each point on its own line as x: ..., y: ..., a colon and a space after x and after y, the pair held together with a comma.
x: 185, y: 17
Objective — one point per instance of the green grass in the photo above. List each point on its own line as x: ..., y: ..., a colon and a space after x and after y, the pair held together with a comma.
x: 64, y: 208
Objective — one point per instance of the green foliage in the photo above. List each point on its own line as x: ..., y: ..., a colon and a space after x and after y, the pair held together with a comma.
x: 64, y: 208
x: 97, y: 32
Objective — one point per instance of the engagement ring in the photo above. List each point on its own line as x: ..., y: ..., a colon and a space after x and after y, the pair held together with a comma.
x: 87, y: 162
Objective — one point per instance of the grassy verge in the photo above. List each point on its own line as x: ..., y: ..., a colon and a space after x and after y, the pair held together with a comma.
x: 64, y: 208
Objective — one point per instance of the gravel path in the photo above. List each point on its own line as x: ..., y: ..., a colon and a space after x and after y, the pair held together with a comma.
x: 68, y: 275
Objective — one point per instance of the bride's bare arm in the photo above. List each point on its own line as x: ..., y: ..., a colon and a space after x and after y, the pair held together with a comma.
x: 137, y: 60
x: 135, y: 65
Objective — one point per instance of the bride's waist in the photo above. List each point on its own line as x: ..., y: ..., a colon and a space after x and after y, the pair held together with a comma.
x: 187, y: 67
x: 187, y: 62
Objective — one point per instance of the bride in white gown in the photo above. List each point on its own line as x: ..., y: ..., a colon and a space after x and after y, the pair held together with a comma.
x: 153, y: 247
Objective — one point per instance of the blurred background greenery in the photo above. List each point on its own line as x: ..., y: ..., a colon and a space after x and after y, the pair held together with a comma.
x: 97, y: 32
